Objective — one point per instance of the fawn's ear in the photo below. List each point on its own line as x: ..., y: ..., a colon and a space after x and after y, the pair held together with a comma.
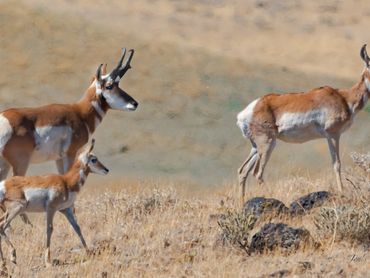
x: 91, y: 146
x: 364, y: 56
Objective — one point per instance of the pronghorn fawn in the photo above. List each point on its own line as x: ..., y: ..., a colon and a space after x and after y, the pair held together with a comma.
x: 323, y: 112
x: 58, y: 131
x: 49, y: 194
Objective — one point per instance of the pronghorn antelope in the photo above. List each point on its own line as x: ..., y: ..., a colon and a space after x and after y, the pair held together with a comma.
x: 48, y: 193
x: 58, y: 131
x: 324, y: 112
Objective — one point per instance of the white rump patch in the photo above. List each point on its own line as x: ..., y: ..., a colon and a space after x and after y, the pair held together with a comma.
x: 52, y: 142
x: 245, y: 117
x: 6, y: 132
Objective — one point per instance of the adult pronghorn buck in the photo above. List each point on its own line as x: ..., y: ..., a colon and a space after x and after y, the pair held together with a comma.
x: 58, y: 131
x: 49, y: 193
x: 324, y: 112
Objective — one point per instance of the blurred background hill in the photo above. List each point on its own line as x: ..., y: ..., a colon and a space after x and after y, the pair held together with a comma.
x: 196, y: 65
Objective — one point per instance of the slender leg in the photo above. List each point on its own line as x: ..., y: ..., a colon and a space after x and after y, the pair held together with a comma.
x: 13, y: 210
x: 334, y: 152
x: 265, y: 153
x: 68, y: 213
x: 243, y: 179
x: 49, y: 230
x: 250, y: 156
x: 20, y: 170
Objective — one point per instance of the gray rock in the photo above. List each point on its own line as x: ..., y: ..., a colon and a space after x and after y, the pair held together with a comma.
x: 272, y: 236
x: 308, y: 202
x: 260, y: 205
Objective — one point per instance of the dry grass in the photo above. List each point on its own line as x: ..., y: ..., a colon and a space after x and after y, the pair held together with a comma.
x: 155, y: 229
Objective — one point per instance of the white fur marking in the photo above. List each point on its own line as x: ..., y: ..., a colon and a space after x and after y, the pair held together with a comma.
x: 245, y: 117
x: 115, y: 102
x: 2, y: 190
x: 6, y: 132
x: 38, y: 198
x: 98, y: 108
x: 52, y: 142
x: 304, y: 126
x: 69, y: 201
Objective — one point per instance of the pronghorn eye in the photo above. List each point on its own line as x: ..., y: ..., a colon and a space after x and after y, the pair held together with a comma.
x: 110, y: 87
x: 94, y: 160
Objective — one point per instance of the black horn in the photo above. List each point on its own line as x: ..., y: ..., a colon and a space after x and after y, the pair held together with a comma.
x: 121, y: 59
x: 124, y: 68
x: 364, y: 55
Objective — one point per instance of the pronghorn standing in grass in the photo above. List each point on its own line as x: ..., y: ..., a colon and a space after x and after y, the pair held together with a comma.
x: 58, y: 131
x: 49, y: 193
x: 324, y: 112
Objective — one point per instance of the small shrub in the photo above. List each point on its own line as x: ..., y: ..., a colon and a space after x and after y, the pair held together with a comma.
x: 344, y: 223
x: 235, y: 227
x: 362, y: 161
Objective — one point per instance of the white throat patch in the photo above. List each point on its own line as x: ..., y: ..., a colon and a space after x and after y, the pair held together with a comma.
x: 98, y: 108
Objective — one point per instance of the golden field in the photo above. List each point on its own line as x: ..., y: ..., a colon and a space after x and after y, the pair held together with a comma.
x: 173, y: 162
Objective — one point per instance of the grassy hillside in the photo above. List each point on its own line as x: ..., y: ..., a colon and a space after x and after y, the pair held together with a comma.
x: 189, y: 96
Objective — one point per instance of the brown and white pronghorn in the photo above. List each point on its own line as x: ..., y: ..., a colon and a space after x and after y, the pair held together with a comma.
x: 49, y: 194
x: 58, y: 131
x: 323, y: 112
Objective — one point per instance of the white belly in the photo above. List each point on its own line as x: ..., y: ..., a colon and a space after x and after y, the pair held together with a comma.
x: 69, y: 202
x: 52, y: 142
x: 302, y: 127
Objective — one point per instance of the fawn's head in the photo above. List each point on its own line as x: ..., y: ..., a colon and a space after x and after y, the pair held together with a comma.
x: 90, y: 161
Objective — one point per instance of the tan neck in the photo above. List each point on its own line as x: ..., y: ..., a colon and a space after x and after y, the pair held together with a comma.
x: 76, y: 176
x: 92, y: 108
x: 356, y: 96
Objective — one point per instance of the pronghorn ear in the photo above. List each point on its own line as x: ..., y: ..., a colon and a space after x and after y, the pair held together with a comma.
x: 104, y: 69
x: 364, y: 55
x: 99, y: 73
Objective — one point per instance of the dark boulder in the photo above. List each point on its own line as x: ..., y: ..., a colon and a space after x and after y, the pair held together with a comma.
x: 272, y: 236
x: 260, y: 205
x: 308, y: 202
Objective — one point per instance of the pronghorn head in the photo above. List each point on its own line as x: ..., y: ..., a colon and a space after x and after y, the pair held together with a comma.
x: 366, y: 73
x: 107, y: 86
x: 90, y: 161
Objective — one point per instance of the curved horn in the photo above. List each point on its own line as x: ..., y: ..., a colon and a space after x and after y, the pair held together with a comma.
x: 122, y: 57
x: 364, y: 55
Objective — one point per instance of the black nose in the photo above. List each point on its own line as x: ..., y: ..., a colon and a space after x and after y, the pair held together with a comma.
x: 106, y: 170
x: 135, y: 104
